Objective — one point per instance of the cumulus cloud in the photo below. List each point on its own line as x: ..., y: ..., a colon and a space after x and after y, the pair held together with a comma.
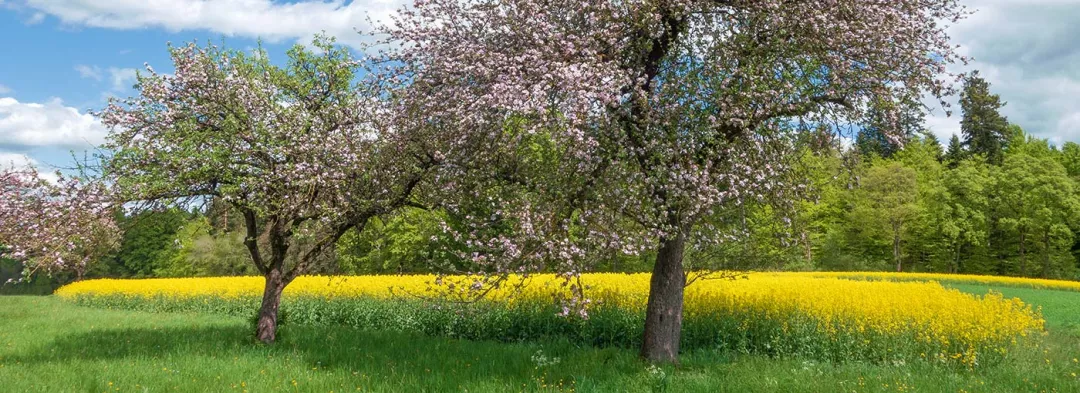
x: 122, y: 78
x: 21, y: 161
x: 38, y: 17
x: 267, y: 19
x: 1028, y: 52
x: 1026, y: 49
x: 16, y: 160
x: 89, y: 72
x: 49, y: 124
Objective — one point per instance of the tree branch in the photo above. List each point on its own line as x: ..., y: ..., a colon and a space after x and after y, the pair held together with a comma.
x: 803, y: 108
x: 252, y: 239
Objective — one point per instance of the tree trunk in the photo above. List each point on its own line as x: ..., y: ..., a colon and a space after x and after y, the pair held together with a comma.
x: 1046, y: 254
x: 266, y: 330
x: 807, y: 248
x: 956, y: 265
x: 663, y: 315
x: 1023, y: 258
x: 896, y: 247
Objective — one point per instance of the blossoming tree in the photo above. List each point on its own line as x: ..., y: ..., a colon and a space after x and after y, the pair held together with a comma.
x: 304, y: 151
x: 654, y: 115
x: 50, y: 227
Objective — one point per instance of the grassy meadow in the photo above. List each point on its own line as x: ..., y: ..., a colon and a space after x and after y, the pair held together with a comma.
x: 48, y: 344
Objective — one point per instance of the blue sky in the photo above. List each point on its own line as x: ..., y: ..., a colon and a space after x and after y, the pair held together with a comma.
x: 62, y: 58
x: 68, y: 70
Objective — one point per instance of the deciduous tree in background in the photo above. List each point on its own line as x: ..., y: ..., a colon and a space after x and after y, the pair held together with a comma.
x: 148, y: 241
x: 1070, y: 158
x: 965, y: 223
x: 660, y: 113
x: 1039, y: 206
x: 889, y: 198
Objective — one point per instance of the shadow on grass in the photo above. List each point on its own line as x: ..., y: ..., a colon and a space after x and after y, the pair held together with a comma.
x: 379, y: 355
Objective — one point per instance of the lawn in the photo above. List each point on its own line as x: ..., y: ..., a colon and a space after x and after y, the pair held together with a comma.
x: 50, y: 346
x: 1060, y: 308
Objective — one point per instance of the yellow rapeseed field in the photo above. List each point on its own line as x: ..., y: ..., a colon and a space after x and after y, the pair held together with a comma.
x: 854, y: 314
x: 887, y: 307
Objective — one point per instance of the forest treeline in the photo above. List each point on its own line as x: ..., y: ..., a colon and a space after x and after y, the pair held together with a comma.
x: 994, y: 200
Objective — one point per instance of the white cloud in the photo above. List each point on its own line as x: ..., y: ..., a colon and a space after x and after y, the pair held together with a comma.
x: 15, y: 160
x: 270, y: 20
x: 122, y: 78
x: 90, y: 72
x: 1028, y: 52
x: 1026, y: 49
x: 5, y: 89
x: 21, y: 161
x: 50, y: 124
x: 38, y: 17
x: 942, y: 126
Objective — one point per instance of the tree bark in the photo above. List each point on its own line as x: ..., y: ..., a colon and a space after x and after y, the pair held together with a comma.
x: 896, y: 247
x: 807, y: 248
x: 1023, y: 258
x: 956, y: 265
x: 1046, y: 254
x: 663, y: 315
x: 266, y: 329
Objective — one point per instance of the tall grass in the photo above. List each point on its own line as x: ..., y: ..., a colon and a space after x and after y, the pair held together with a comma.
x: 51, y: 346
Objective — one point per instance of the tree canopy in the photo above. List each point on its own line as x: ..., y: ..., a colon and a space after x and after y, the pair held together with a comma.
x: 663, y: 113
x: 65, y: 225
x: 304, y: 152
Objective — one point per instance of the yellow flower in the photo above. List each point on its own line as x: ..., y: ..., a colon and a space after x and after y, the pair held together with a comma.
x: 866, y: 306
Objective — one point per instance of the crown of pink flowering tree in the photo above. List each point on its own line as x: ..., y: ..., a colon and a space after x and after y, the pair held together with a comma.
x: 305, y: 151
x: 624, y: 125
x: 50, y: 227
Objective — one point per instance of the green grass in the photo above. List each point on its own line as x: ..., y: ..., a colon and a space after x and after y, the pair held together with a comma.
x: 50, y: 346
x: 1060, y: 308
x: 741, y: 329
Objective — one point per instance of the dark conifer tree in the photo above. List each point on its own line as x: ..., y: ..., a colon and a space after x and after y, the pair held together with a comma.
x: 985, y: 129
x: 955, y: 152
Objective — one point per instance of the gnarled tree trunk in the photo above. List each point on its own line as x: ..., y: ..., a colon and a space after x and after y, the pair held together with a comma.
x: 663, y: 315
x: 266, y: 330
